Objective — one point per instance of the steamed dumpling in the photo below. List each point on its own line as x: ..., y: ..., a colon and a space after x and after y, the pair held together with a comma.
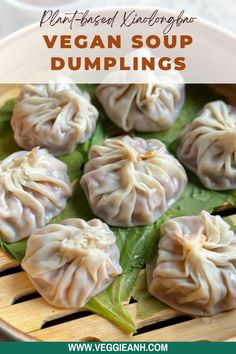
x: 55, y: 116
x: 142, y: 107
x: 208, y: 146
x: 131, y: 182
x: 71, y: 262
x: 34, y: 187
x: 195, y: 270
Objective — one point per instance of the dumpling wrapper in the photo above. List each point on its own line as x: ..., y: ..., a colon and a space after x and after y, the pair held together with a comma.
x: 70, y: 262
x: 208, y: 146
x: 195, y: 271
x: 132, y: 181
x: 34, y: 187
x: 149, y: 107
x: 55, y: 116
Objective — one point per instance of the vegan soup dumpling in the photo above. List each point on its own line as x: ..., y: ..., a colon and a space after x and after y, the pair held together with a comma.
x: 70, y: 262
x: 208, y: 146
x: 195, y: 271
x: 149, y: 107
x: 34, y: 187
x: 132, y: 181
x: 56, y: 116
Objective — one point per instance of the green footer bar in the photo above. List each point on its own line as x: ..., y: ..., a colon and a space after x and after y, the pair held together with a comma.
x: 117, y: 347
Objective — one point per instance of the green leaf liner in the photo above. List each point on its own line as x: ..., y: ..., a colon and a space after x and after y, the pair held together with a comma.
x: 16, y: 249
x: 147, y: 305
x: 139, y: 244
x: 109, y: 303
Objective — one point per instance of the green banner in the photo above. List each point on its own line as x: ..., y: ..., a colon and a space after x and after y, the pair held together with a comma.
x: 117, y: 347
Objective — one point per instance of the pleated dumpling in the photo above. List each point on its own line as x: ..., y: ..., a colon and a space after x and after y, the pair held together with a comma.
x: 71, y: 262
x: 208, y: 146
x: 55, y: 116
x: 195, y: 271
x: 34, y: 187
x: 143, y: 107
x: 132, y: 181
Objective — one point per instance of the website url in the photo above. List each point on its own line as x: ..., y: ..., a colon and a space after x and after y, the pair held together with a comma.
x: 117, y: 347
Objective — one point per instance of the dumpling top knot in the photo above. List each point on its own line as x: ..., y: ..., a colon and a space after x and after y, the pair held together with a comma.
x: 16, y: 172
x: 224, y: 115
x: 81, y: 241
x: 128, y: 149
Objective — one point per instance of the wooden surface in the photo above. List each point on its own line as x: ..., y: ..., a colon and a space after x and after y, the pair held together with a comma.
x: 6, y: 262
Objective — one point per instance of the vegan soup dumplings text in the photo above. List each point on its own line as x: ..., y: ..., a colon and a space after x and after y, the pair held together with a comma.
x: 98, y: 42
